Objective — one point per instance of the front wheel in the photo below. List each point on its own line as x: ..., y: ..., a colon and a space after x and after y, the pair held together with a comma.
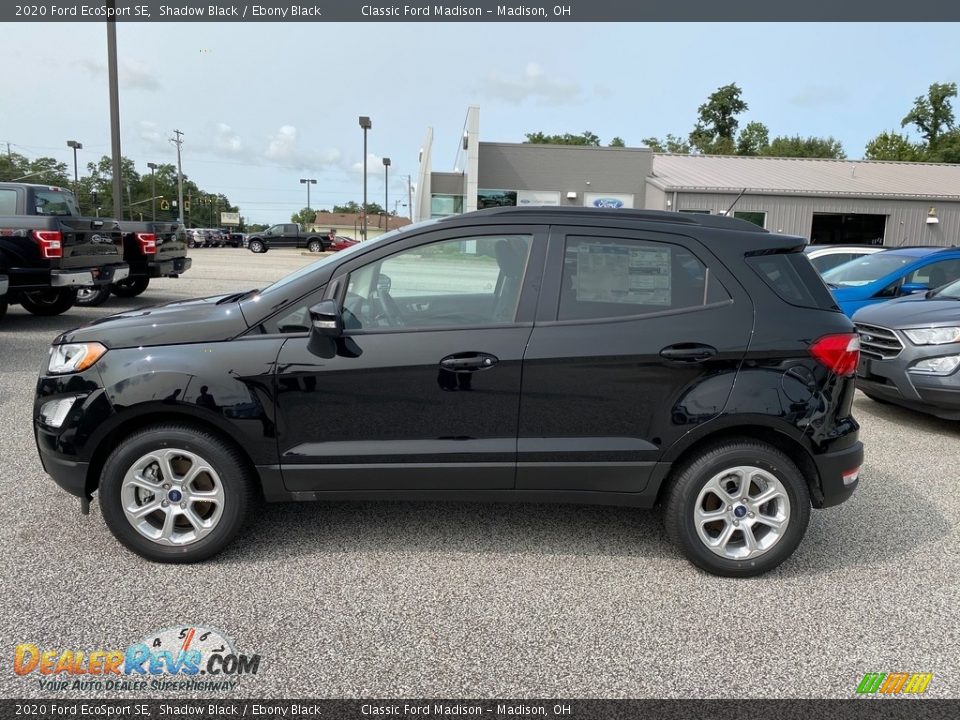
x: 175, y: 493
x: 256, y: 246
x: 48, y: 302
x: 130, y: 287
x: 93, y: 296
x: 314, y: 246
x: 738, y: 509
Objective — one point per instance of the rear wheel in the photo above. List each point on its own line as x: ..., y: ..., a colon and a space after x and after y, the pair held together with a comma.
x: 175, y: 493
x: 48, y: 302
x: 738, y: 509
x: 130, y: 287
x: 93, y: 296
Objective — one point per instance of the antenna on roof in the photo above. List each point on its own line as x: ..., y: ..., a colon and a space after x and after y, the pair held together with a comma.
x: 735, y: 201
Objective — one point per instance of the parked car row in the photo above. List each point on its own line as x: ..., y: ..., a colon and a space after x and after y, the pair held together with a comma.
x: 905, y: 303
x: 212, y: 237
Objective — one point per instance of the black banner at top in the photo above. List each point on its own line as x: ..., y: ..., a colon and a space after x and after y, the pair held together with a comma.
x: 147, y: 11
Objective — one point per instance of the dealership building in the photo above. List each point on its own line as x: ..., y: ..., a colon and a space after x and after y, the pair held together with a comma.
x: 827, y: 201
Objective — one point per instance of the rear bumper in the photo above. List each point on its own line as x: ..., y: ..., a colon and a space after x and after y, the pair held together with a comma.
x: 168, y: 268
x: 66, y: 278
x: 836, y: 469
x: 90, y: 276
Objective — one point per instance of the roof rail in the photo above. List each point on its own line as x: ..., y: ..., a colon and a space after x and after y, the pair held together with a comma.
x: 665, y: 216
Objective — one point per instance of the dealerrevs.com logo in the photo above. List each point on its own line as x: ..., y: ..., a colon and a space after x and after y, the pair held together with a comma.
x: 184, y: 657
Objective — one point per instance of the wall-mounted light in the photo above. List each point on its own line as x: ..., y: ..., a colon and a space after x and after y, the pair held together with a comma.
x: 932, y: 218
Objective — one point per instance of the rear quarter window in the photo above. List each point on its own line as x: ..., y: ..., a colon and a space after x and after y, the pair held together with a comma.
x: 793, y: 279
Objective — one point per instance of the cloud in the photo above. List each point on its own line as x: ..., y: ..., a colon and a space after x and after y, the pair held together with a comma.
x: 152, y: 135
x: 819, y: 96
x: 226, y: 140
x: 533, y: 84
x: 374, y: 166
x: 283, y: 149
x: 131, y: 74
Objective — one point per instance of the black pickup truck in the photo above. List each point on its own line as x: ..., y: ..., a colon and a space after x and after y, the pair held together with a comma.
x: 48, y: 249
x: 152, y: 250
x: 287, y: 235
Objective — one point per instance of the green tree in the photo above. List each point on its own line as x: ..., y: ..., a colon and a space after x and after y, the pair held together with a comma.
x: 753, y: 139
x: 585, y: 138
x: 670, y: 144
x: 805, y: 147
x: 305, y: 217
x: 617, y: 142
x: 932, y: 113
x: 354, y: 207
x: 42, y: 170
x: 891, y: 145
x: 717, y: 121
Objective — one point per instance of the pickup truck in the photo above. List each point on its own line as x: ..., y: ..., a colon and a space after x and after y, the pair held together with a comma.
x: 48, y: 249
x: 287, y: 235
x: 152, y: 250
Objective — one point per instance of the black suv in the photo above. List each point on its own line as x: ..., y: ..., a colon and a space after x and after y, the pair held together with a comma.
x: 523, y: 354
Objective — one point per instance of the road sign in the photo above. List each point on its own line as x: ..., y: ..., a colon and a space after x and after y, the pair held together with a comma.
x: 229, y: 218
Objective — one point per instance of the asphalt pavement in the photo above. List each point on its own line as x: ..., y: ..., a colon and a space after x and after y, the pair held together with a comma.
x: 461, y: 600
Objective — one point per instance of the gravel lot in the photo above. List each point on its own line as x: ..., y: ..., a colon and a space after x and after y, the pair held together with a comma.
x: 441, y: 600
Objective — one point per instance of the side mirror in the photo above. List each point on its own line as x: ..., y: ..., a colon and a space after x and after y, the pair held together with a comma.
x: 325, y: 319
x: 913, y: 288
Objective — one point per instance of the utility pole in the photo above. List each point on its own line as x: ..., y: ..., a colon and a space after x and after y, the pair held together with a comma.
x: 178, y: 142
x: 153, y: 190
x: 409, y: 197
x: 114, y: 84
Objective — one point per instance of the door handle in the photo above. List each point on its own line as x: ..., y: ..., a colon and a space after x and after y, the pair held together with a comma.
x: 688, y: 352
x: 469, y: 362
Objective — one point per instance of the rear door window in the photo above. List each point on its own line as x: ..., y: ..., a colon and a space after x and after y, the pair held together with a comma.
x: 8, y: 202
x: 620, y: 277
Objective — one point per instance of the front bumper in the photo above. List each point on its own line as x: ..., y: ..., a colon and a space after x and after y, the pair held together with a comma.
x: 168, y: 268
x: 71, y: 475
x: 837, y: 478
x: 890, y: 380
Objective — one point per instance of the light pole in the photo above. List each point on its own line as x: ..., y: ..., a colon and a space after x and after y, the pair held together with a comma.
x: 76, y: 178
x: 114, y: 85
x: 386, y: 193
x: 153, y: 189
x: 308, y: 182
x: 366, y: 125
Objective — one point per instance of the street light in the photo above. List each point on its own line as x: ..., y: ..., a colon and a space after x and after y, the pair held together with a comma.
x: 76, y: 178
x: 366, y: 125
x: 308, y: 182
x: 153, y: 189
x: 386, y: 193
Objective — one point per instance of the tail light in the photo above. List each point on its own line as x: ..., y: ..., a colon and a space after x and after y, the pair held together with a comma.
x: 148, y: 243
x: 838, y: 353
x: 50, y: 242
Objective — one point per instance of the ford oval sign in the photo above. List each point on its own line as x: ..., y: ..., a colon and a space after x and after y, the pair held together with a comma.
x: 608, y: 203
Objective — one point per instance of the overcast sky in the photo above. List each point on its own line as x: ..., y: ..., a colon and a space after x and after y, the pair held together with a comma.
x: 262, y: 105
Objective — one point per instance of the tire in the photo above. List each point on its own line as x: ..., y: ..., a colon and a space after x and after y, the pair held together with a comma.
x: 698, y: 486
x: 47, y: 303
x: 315, y: 246
x: 93, y: 296
x: 141, y: 456
x: 256, y: 246
x: 130, y: 287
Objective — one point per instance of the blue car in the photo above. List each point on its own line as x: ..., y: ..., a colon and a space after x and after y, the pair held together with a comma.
x: 891, y: 274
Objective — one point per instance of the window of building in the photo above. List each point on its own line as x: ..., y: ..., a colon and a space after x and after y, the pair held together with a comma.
x: 608, y: 278
x: 757, y: 218
x: 442, y: 284
x: 496, y: 198
x: 445, y: 205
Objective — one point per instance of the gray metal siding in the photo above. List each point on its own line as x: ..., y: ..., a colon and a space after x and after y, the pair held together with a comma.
x: 442, y: 183
x: 906, y: 220
x: 565, y: 168
x: 656, y: 199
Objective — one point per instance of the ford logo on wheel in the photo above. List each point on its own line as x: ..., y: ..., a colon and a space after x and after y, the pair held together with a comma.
x: 608, y: 203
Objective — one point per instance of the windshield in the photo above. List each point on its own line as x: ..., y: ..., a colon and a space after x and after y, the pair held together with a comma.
x: 313, y: 267
x: 948, y: 292
x: 55, y: 202
x: 866, y: 269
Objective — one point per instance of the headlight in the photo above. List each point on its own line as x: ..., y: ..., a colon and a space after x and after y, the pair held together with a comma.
x: 74, y: 357
x: 933, y: 336
x: 937, y: 366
